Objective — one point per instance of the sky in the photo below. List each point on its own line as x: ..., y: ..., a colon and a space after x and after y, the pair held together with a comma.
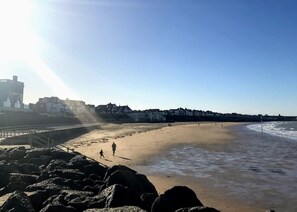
x: 225, y: 56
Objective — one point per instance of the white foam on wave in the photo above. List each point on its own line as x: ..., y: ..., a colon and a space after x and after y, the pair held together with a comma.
x: 275, y: 129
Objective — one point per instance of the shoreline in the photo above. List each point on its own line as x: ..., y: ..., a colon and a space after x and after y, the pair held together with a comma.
x: 136, y: 148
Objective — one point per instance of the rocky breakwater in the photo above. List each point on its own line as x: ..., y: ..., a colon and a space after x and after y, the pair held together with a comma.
x: 53, y: 180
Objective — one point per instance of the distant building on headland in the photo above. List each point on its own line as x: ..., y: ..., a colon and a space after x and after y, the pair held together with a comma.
x: 112, y: 108
x: 11, y: 94
x: 57, y: 107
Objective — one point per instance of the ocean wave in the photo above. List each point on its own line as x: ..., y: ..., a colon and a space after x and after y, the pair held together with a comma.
x: 280, y: 129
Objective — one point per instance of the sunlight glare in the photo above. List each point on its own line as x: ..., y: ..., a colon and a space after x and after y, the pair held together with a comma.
x: 49, y: 77
x: 16, y: 36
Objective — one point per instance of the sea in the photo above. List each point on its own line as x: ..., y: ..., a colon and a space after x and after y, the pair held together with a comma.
x: 259, y: 167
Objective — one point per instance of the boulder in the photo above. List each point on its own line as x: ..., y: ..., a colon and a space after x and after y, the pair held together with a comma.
x: 147, y: 200
x: 87, y: 182
x: 176, y: 198
x: 55, y: 200
x: 118, y: 195
x: 37, y: 198
x: 58, y: 208
x: 79, y: 161
x: 198, y: 209
x: 94, y: 169
x: 18, y: 201
x: 93, y: 189
x: 27, y: 168
x: 4, y: 176
x: 53, y: 184
x: 36, y: 153
x: 116, y: 168
x: 77, y: 199
x: 119, y: 209
x: 83, y: 202
x: 56, y: 164
x: 40, y: 161
x: 72, y: 194
x: 17, y: 153
x: 5, y: 169
x: 73, y: 174
x: 135, y: 181
x: 19, y: 181
x: 62, y: 155
x: 95, y: 177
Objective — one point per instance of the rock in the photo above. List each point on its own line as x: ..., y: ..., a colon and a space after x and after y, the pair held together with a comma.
x: 198, y: 209
x: 18, y: 201
x: 95, y: 177
x: 5, y: 169
x: 93, y: 189
x: 161, y: 204
x: 19, y: 181
x: 52, y: 153
x: 62, y: 155
x: 59, y: 181
x: 4, y: 176
x: 138, y: 182
x: 119, y: 209
x: 58, y: 208
x: 147, y: 200
x: 56, y: 200
x: 116, y: 168
x: 77, y: 199
x: 40, y: 161
x: 17, y: 153
x: 54, y: 184
x: 94, y: 169
x: 72, y: 194
x: 118, y: 195
x: 84, y: 202
x: 73, y: 174
x: 27, y: 168
x: 37, y: 198
x: 56, y: 164
x: 113, y: 196
x: 98, y: 183
x: 87, y: 182
x: 79, y: 161
x: 176, y: 198
x: 53, y: 199
x: 36, y: 153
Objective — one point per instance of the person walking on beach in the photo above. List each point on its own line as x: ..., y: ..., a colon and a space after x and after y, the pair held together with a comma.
x: 114, y: 147
x: 101, y: 154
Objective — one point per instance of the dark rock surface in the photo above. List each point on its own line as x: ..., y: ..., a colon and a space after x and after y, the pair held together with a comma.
x: 119, y: 209
x: 18, y: 201
x: 176, y: 198
x: 53, y: 180
x: 133, y: 180
x: 198, y: 209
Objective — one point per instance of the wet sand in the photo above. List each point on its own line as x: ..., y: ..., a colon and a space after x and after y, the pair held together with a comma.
x: 137, y: 144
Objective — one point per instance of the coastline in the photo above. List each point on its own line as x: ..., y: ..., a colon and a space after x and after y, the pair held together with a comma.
x: 136, y: 147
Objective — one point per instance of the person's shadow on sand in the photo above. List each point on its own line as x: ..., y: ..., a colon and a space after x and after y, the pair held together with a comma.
x: 123, y: 158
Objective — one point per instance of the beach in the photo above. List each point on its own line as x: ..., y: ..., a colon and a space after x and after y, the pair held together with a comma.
x: 138, y: 144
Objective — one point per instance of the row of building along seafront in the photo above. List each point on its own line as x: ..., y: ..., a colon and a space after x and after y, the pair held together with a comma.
x: 12, y: 93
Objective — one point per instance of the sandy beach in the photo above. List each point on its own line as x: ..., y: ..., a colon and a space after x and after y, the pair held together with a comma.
x: 138, y: 143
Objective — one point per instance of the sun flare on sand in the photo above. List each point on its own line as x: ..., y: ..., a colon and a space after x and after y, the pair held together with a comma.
x: 19, y: 43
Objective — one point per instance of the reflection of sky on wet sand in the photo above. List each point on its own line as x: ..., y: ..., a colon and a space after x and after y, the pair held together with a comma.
x: 259, y: 166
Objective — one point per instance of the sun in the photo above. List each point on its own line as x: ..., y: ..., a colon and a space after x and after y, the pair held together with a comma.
x: 16, y: 36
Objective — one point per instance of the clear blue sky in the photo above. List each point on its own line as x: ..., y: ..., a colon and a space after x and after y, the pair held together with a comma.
x: 226, y: 56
